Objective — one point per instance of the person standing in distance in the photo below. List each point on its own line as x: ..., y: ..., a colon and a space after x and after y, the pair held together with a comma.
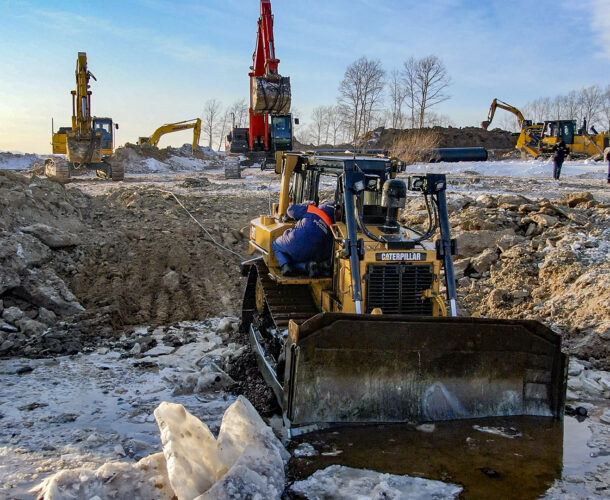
x: 560, y: 151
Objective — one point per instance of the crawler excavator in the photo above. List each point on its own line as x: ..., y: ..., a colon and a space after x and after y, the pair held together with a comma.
x: 270, y: 128
x: 537, y: 139
x: 89, y: 140
x: 374, y: 340
x: 168, y: 128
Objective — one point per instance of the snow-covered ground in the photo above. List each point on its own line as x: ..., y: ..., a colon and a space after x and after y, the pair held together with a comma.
x: 19, y: 161
x: 585, y: 169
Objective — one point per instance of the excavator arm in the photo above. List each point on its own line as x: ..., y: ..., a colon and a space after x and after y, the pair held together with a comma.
x: 168, y: 128
x: 496, y: 103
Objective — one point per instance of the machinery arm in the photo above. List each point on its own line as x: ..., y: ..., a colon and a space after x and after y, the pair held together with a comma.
x: 264, y: 62
x: 81, y: 97
x: 168, y: 128
x: 496, y: 103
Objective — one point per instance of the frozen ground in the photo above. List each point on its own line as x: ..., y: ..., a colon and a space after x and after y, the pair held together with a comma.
x: 582, y: 169
x: 97, y: 406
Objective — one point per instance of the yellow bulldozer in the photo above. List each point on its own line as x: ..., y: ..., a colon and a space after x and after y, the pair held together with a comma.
x: 374, y: 339
x: 168, y: 128
x: 538, y: 139
x: 90, y: 139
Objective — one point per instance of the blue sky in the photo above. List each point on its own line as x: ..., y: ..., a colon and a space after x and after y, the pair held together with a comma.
x: 158, y: 61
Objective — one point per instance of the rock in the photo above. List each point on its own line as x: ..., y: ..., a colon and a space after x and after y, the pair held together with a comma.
x: 592, y: 387
x: 45, y: 289
x: 5, y: 327
x: 472, y: 243
x: 528, y: 207
x: 47, y: 317
x: 508, y: 241
x: 497, y: 297
x: 575, y: 368
x: 605, y: 418
x: 483, y: 262
x: 487, y: 201
x: 30, y: 327
x: 52, y: 237
x: 171, y: 281
x: 512, y: 201
x: 542, y: 220
x: 224, y: 325
x: 575, y: 383
x: 575, y: 199
x: 12, y: 314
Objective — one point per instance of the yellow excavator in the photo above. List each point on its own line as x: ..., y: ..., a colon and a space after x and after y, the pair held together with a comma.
x: 373, y: 338
x: 168, y: 128
x: 538, y: 139
x: 90, y: 139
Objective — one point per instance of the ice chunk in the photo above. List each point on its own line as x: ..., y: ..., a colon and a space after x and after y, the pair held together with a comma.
x: 190, y: 450
x: 339, y: 482
x: 145, y: 480
x: 507, y: 432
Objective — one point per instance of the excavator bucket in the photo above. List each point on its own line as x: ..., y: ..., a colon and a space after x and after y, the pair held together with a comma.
x: 271, y: 96
x: 86, y: 149
x: 346, y: 368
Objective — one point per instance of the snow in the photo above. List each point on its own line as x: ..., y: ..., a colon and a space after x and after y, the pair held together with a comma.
x: 18, y: 161
x: 588, y: 169
x: 247, y: 461
x: 75, y: 410
x: 345, y: 483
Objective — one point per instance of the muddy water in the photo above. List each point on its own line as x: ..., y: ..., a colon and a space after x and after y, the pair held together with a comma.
x: 520, y: 464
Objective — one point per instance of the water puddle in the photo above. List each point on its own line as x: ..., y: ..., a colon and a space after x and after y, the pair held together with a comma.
x: 517, y: 458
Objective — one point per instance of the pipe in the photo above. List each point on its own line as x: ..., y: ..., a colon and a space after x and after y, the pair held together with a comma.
x: 457, y: 154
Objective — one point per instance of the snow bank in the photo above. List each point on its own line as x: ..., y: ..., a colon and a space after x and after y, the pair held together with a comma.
x: 246, y: 461
x: 18, y: 161
x: 144, y: 480
x: 516, y: 168
x: 344, y: 483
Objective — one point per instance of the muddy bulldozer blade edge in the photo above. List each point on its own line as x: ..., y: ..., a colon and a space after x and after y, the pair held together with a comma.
x: 357, y: 369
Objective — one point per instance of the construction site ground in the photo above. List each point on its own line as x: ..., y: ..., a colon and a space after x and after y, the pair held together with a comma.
x: 113, y: 299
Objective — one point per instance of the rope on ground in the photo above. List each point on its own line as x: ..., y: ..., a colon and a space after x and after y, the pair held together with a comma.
x: 200, y: 224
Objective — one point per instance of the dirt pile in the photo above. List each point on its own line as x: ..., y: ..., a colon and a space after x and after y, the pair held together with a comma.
x: 536, y: 259
x: 17, y: 161
x: 146, y: 158
x: 42, y: 228
x: 448, y: 137
x: 76, y: 268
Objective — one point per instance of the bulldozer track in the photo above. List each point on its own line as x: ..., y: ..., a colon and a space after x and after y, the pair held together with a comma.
x: 284, y: 302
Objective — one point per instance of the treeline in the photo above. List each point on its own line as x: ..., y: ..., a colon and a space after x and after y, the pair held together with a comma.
x: 590, y: 104
x: 369, y: 97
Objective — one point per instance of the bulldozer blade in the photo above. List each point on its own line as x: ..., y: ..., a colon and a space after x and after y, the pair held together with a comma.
x: 346, y: 368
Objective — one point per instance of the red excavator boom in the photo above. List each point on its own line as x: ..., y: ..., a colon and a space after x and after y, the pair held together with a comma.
x: 269, y: 92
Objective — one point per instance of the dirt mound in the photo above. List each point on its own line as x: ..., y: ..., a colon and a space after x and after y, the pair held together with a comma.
x: 89, y: 266
x: 146, y: 158
x: 448, y: 137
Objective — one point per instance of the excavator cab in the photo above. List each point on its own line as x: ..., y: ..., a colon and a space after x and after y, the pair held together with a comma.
x: 281, y: 133
x: 377, y: 340
x: 106, y: 127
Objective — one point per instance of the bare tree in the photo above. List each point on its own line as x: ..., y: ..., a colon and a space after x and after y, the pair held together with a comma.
x: 591, y: 101
x: 398, y: 94
x: 211, y: 116
x: 425, y: 83
x: 335, y: 123
x: 409, y: 72
x: 225, y: 123
x: 431, y: 83
x: 360, y: 93
x: 239, y: 113
x: 605, y: 110
x: 318, y: 123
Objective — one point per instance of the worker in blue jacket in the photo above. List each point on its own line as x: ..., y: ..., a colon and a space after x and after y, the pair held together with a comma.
x: 300, y: 249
